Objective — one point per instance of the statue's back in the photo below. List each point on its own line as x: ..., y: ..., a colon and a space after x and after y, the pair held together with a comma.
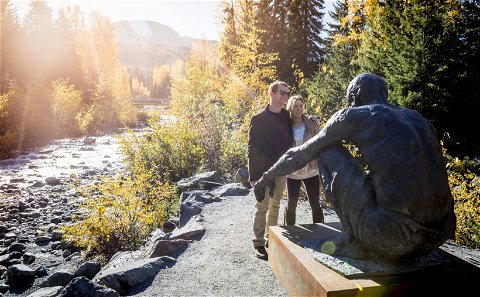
x: 404, y: 160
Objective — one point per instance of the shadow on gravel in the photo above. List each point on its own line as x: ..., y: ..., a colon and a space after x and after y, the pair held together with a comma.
x: 140, y: 288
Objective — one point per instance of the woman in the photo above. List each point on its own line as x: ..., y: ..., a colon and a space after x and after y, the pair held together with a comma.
x: 303, y: 130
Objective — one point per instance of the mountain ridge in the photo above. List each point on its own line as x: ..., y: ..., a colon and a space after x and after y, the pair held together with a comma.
x: 144, y: 44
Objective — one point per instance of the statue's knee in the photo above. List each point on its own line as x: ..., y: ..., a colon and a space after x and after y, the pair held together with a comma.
x: 334, y: 157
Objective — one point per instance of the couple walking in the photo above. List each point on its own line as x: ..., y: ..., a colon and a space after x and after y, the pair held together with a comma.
x: 272, y: 132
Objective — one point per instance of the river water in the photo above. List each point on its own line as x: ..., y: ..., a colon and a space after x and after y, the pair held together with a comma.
x: 65, y: 157
x: 31, y: 205
x: 61, y: 159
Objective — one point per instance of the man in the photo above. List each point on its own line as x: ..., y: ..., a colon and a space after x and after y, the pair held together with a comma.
x: 398, y: 202
x: 269, y: 138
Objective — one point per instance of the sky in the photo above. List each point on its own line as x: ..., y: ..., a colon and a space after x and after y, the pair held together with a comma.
x: 197, y: 19
x: 194, y: 18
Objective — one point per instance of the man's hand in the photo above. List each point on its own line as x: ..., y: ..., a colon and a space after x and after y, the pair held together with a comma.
x: 314, y: 119
x: 261, y: 185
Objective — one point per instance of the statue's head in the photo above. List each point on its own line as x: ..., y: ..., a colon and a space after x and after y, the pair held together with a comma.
x: 367, y: 88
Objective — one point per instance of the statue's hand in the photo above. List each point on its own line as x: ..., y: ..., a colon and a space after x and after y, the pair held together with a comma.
x: 259, y: 192
x: 260, y: 186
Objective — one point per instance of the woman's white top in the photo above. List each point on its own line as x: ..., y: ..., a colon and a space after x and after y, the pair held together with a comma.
x: 302, y: 173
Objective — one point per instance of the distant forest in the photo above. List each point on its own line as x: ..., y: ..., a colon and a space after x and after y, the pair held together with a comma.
x: 62, y: 77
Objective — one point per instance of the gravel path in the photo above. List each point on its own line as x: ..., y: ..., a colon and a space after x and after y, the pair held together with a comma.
x: 223, y: 263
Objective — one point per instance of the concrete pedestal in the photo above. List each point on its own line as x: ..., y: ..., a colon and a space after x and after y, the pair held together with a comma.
x: 301, y: 275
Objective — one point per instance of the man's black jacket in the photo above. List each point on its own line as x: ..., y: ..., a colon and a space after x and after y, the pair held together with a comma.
x: 270, y: 136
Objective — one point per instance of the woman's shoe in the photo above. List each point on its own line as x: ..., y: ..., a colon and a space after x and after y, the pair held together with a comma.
x: 289, y: 217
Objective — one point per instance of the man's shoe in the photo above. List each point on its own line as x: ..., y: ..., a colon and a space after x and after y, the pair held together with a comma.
x: 261, y: 252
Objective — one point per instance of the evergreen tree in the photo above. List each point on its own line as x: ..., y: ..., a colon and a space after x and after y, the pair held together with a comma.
x: 325, y: 91
x: 291, y: 29
x: 337, y: 14
x: 69, y: 24
x: 39, y: 42
x: 38, y: 19
x: 467, y: 97
x: 303, y: 37
x: 279, y: 40
x: 9, y: 45
x: 241, y: 50
x: 416, y: 46
x: 9, y: 95
x: 265, y: 21
x: 340, y: 50
x: 229, y: 41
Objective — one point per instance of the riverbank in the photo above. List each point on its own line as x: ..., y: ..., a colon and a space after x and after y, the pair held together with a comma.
x: 37, y: 197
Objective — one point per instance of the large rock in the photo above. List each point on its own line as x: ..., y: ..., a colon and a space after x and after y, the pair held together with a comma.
x: 58, y: 278
x: 242, y: 177
x: 88, y: 269
x: 193, y: 230
x: 52, y: 181
x: 47, y: 292
x: 206, y: 180
x: 187, y: 211
x: 167, y: 247
x: 123, y: 278
x: 170, y: 225
x: 82, y: 286
x: 203, y: 196
x: 233, y: 189
x: 192, y: 203
x: 20, y: 275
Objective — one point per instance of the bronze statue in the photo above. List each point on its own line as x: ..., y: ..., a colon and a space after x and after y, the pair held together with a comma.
x: 395, y: 200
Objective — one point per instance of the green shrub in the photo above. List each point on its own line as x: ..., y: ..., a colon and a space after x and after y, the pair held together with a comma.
x: 171, y: 150
x: 235, y: 144
x: 465, y: 185
x: 8, y: 143
x: 119, y: 213
x: 66, y: 104
x: 8, y: 136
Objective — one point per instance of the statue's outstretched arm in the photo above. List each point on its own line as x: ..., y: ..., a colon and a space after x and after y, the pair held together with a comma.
x: 294, y: 159
x: 336, y: 129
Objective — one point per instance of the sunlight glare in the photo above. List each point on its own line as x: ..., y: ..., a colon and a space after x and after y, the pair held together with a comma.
x: 141, y: 28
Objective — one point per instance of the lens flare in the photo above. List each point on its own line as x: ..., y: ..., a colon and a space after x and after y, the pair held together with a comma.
x: 328, y: 247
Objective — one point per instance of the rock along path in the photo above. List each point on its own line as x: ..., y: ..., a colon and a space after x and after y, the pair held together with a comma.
x: 223, y: 263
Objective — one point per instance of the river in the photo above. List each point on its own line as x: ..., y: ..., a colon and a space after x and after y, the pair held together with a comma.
x: 61, y: 159
x: 64, y: 157
x: 36, y: 199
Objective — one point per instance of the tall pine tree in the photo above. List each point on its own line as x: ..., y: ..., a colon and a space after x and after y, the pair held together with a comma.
x: 229, y: 40
x: 326, y: 89
x: 416, y: 46
x: 304, y: 39
x: 467, y: 93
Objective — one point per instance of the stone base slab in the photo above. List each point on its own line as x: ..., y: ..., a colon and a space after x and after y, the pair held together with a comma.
x: 301, y: 275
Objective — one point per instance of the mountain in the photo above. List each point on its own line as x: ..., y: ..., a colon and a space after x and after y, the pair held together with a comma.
x: 145, y: 44
x: 150, y: 32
